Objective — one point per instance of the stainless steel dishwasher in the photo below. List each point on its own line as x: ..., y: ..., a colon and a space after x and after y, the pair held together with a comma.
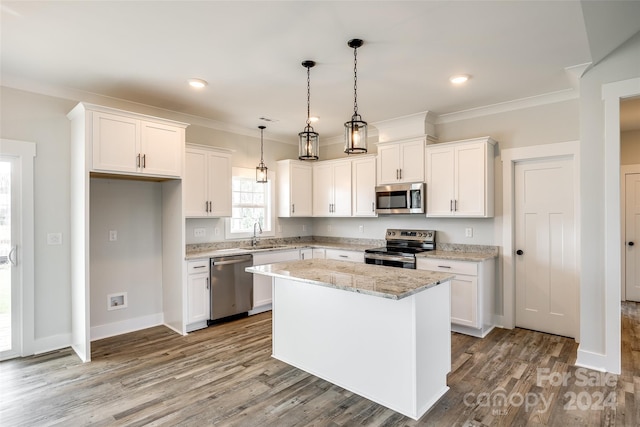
x: 231, y: 286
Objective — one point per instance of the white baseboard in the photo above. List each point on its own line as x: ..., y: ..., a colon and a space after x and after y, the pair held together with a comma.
x: 51, y: 343
x: 596, y: 361
x: 126, y: 326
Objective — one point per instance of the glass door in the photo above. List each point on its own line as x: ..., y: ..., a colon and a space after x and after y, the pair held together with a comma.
x: 9, y: 274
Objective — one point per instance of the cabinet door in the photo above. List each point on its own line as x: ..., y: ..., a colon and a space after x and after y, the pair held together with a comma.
x: 341, y: 189
x: 364, y: 187
x: 412, y: 161
x: 322, y: 189
x: 388, y: 164
x: 115, y: 146
x: 319, y: 253
x: 440, y: 181
x: 470, y: 180
x: 464, y: 301
x: 198, y: 308
x: 306, y: 253
x: 161, y: 148
x: 301, y: 190
x: 194, y: 183
x: 219, y: 184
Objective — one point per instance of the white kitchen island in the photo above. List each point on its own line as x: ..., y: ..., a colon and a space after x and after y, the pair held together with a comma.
x: 381, y: 332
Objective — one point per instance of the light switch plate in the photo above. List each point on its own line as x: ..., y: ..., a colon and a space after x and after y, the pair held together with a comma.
x: 199, y: 232
x: 468, y: 232
x: 113, y: 235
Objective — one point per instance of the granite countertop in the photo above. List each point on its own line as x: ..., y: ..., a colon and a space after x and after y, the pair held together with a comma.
x: 458, y: 255
x: 385, y: 282
x: 213, y: 252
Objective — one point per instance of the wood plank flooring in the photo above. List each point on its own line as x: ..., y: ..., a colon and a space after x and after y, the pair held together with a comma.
x: 224, y: 376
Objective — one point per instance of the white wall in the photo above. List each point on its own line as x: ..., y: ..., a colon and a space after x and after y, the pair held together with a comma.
x: 133, y: 262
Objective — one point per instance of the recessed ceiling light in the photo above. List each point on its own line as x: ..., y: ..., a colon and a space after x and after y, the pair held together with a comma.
x: 197, y: 83
x: 459, y: 79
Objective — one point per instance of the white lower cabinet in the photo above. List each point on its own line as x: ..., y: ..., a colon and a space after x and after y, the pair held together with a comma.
x: 198, y: 294
x: 472, y: 293
x: 344, y: 255
x: 306, y: 253
x: 262, y: 291
x: 319, y: 253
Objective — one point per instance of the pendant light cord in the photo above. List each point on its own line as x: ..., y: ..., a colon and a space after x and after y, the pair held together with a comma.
x: 308, y: 96
x: 355, y: 81
x: 261, y: 145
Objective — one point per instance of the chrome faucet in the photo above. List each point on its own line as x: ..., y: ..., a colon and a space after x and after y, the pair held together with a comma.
x: 254, y: 240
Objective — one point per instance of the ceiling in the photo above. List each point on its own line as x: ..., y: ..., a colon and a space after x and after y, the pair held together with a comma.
x: 251, y: 52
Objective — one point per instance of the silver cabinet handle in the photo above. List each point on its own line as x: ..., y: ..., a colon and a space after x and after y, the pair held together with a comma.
x: 444, y: 266
x: 206, y: 206
x: 138, y: 160
x: 210, y: 206
x: 199, y: 266
x: 144, y: 161
x: 373, y: 207
x: 207, y: 283
x: 400, y: 173
x: 293, y: 208
x: 450, y: 205
x: 455, y: 205
x: 343, y: 256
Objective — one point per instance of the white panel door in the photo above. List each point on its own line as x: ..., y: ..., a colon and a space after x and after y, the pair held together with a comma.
x: 364, y: 187
x: 194, y: 184
x: 301, y: 190
x: 388, y: 164
x: 440, y: 181
x: 341, y: 189
x: 545, y: 260
x: 632, y: 230
x: 412, y: 161
x: 219, y: 185
x: 115, y: 143
x: 470, y: 180
x: 322, y: 189
x: 161, y: 148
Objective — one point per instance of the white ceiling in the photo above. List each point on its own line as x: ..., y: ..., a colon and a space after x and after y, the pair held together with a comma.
x: 251, y: 54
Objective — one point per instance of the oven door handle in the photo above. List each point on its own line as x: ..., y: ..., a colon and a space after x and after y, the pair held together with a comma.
x: 390, y: 258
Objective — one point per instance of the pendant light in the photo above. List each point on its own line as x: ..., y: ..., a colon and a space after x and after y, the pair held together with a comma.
x: 309, y: 139
x: 355, y: 130
x: 261, y: 169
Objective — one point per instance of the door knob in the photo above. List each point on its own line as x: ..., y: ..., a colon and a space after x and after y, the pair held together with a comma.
x: 631, y: 243
x: 519, y: 252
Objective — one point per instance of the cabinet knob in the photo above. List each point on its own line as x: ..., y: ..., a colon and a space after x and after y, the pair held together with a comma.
x: 630, y: 243
x: 519, y: 252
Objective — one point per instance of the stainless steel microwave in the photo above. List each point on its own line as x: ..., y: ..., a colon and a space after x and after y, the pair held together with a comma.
x: 406, y: 198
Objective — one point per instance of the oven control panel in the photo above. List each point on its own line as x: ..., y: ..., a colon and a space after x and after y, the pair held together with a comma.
x: 419, y: 235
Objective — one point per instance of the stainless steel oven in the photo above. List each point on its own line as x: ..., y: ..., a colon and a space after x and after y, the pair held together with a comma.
x: 406, y: 198
x: 402, y: 247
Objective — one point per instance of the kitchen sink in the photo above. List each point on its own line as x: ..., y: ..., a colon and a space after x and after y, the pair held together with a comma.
x: 259, y: 247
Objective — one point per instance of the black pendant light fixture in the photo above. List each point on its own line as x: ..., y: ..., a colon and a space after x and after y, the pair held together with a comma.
x: 261, y: 169
x: 355, y: 130
x: 309, y: 139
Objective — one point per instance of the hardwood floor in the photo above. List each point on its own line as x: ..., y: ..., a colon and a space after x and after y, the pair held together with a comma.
x: 224, y: 375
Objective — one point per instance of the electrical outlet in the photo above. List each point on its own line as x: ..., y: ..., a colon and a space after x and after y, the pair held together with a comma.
x: 216, y: 231
x: 54, y: 238
x: 361, y: 228
x: 199, y: 232
x: 113, y: 235
x: 468, y: 232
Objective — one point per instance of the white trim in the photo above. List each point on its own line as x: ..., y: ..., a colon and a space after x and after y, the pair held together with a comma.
x: 510, y: 157
x: 52, y: 343
x: 25, y: 152
x: 126, y: 326
x: 503, y: 107
x: 624, y: 171
x: 610, y: 360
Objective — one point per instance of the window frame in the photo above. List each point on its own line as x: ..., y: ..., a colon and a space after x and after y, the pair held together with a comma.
x: 271, y: 202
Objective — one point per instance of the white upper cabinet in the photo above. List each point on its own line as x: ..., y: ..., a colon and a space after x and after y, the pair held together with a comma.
x: 460, y: 178
x: 363, y: 184
x: 207, y: 182
x: 401, y: 161
x: 127, y: 143
x: 332, y: 188
x: 295, y: 189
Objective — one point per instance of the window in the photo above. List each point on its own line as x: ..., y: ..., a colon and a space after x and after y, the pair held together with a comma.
x: 251, y: 202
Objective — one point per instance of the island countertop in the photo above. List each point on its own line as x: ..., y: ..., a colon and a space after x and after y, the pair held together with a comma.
x: 386, y: 282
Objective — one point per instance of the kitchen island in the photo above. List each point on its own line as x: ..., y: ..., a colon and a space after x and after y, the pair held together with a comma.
x: 381, y: 332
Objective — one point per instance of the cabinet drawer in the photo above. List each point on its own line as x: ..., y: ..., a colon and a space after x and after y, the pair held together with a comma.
x: 448, y: 266
x: 200, y: 266
x: 344, y: 255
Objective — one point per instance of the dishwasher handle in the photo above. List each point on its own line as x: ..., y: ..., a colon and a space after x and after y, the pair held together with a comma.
x: 231, y: 260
